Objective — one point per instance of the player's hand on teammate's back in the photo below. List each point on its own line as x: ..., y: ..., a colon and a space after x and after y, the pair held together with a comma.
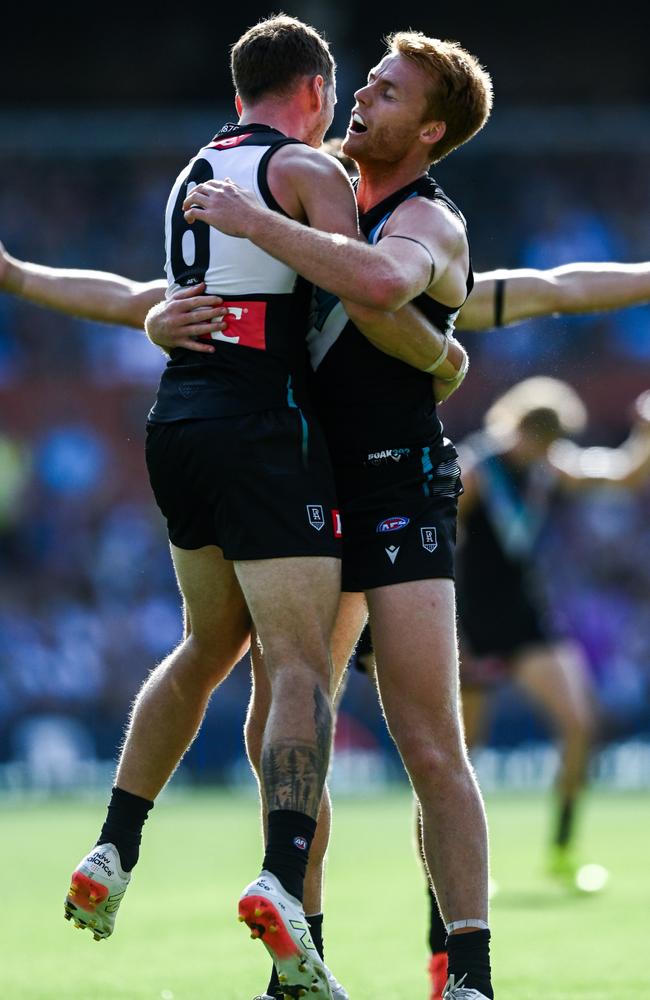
x: 189, y: 314
x: 224, y: 205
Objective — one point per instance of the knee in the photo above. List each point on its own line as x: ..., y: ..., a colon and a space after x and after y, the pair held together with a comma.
x: 297, y: 655
x: 212, y: 654
x: 580, y: 727
x: 300, y: 679
x: 429, y: 761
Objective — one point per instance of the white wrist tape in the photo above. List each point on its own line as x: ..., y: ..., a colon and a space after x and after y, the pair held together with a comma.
x: 442, y: 357
x: 460, y: 374
x: 457, y: 925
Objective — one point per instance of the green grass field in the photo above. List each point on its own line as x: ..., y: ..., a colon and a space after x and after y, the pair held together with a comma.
x: 177, y: 937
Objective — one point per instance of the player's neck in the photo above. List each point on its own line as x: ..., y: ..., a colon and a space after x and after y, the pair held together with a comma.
x: 378, y: 181
x: 285, y: 118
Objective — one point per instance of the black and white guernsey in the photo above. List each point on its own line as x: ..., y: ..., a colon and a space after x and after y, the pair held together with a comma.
x: 260, y: 362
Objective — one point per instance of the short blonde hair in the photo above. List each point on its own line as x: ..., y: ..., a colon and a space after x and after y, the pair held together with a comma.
x: 461, y: 94
x: 542, y: 402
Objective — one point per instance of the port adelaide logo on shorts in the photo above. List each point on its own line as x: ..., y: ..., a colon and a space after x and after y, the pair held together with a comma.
x: 315, y: 516
x: 392, y: 524
x: 429, y: 539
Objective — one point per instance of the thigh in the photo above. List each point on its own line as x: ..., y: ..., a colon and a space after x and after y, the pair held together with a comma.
x: 216, y: 614
x: 556, y: 678
x: 351, y: 617
x: 414, y: 635
x: 280, y: 500
x: 293, y: 603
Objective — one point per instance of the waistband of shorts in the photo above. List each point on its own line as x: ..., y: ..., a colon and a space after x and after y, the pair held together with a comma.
x: 393, y: 457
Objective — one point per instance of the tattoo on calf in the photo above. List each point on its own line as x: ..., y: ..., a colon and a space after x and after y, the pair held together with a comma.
x: 293, y: 772
x: 323, y: 724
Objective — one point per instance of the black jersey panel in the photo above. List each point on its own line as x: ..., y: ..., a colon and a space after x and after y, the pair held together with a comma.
x: 367, y: 400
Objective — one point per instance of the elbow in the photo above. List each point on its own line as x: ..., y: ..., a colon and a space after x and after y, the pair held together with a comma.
x: 390, y: 292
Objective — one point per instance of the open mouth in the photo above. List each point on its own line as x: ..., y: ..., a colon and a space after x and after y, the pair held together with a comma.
x: 357, y: 124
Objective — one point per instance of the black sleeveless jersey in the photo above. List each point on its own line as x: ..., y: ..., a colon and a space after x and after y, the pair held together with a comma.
x: 502, y: 530
x: 367, y: 401
x: 260, y: 361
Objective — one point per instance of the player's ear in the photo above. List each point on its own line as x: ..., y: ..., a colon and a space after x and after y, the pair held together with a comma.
x: 239, y: 105
x: 317, y: 91
x: 432, y: 132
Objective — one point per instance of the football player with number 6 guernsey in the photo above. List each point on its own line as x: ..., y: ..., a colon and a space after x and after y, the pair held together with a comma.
x: 246, y: 403
x: 266, y: 303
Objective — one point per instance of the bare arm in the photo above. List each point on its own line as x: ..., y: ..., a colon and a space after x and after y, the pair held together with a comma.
x: 95, y: 295
x: 627, y: 466
x: 385, y: 277
x: 408, y: 336
x: 572, y: 288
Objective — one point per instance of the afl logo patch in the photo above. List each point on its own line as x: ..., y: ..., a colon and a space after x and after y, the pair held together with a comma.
x: 300, y: 843
x: 392, y: 524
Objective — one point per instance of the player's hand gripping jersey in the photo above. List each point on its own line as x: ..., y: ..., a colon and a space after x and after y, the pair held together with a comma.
x: 259, y: 363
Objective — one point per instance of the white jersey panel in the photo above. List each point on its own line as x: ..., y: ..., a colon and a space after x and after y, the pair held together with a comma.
x: 235, y: 266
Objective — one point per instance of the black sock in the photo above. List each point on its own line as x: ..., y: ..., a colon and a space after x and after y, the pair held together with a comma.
x: 565, y: 821
x: 437, y: 928
x: 316, y: 927
x: 469, y: 956
x: 123, y: 827
x: 287, y: 849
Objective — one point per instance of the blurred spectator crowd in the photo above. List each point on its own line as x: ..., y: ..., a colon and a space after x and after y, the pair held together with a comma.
x: 88, y: 602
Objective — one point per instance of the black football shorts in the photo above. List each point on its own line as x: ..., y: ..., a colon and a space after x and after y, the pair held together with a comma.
x: 399, y: 517
x: 259, y: 486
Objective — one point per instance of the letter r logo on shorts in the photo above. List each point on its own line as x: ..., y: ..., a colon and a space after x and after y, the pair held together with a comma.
x: 315, y: 515
x: 429, y: 539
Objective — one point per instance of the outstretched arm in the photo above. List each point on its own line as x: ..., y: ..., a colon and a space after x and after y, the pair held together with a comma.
x: 510, y: 296
x: 628, y: 465
x: 96, y: 295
